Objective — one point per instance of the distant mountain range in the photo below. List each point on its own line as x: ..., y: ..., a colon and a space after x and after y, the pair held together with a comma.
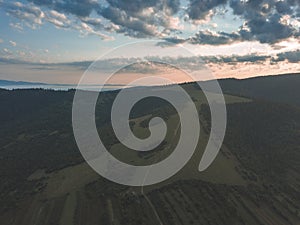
x: 276, y: 88
x: 8, y: 83
x: 13, y: 83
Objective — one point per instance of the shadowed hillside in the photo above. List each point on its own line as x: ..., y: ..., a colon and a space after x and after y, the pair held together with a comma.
x: 254, y: 179
x: 278, y: 88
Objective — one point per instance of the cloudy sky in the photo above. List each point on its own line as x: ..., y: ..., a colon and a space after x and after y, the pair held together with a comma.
x: 55, y: 40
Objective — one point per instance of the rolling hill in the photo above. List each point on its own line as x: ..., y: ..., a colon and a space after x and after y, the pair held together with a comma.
x: 254, y: 180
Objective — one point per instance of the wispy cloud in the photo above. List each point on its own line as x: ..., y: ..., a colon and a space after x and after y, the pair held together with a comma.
x: 29, y: 13
x: 238, y: 66
x: 7, y: 52
x: 16, y: 26
x: 12, y: 43
x: 33, y: 16
x: 187, y: 63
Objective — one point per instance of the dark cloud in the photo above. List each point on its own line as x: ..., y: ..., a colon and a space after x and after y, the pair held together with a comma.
x: 268, y: 21
x: 264, y: 19
x: 267, y: 31
x: 205, y: 37
x: 137, y: 18
x: 128, y: 24
x: 173, y: 6
x: 199, y: 9
x: 132, y: 6
x: 210, y: 38
x: 76, y: 7
x: 141, y: 18
x: 283, y: 7
x: 292, y: 56
x: 171, y: 41
x: 186, y: 63
x: 233, y: 59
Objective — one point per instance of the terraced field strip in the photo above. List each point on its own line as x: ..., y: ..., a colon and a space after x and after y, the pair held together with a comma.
x: 179, y: 207
x: 173, y: 208
x: 110, y: 211
x: 69, y: 210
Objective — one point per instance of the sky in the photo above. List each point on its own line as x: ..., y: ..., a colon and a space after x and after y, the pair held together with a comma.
x: 54, y: 41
